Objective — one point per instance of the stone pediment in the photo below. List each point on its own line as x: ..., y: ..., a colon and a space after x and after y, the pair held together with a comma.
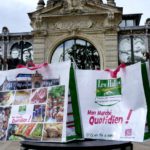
x: 83, y: 15
x: 79, y: 8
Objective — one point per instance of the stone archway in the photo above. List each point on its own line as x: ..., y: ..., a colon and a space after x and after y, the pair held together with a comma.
x: 81, y: 51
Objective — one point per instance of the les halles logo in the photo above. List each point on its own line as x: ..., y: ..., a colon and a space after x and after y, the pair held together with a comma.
x: 108, y: 91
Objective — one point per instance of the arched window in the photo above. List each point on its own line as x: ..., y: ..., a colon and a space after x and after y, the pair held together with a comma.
x: 82, y: 52
x: 132, y: 49
x: 22, y: 50
x: 20, y: 53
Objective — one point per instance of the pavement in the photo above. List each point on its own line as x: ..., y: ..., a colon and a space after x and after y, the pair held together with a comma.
x: 16, y: 146
x: 141, y: 146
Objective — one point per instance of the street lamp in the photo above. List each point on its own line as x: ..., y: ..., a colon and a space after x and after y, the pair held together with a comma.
x: 5, y: 38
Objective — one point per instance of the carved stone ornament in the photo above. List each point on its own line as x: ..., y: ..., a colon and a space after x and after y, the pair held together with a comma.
x: 98, y: 2
x: 110, y: 15
x: 72, y: 5
x: 40, y: 33
x: 38, y: 22
x: 73, y: 24
x: 5, y: 31
x: 111, y: 2
x: 40, y: 5
x: 53, y: 3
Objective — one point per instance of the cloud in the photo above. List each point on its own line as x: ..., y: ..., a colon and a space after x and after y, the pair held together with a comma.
x: 134, y: 6
x: 13, y: 13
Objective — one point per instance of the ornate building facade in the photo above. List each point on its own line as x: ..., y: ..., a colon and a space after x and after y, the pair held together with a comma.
x: 91, y: 33
x: 85, y: 30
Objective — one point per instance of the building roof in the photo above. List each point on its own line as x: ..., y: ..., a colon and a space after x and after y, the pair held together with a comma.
x: 136, y: 17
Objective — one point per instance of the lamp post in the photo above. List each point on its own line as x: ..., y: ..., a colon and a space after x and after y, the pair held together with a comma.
x: 5, y: 38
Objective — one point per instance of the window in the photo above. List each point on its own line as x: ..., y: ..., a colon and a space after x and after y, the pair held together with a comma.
x: 132, y: 49
x: 139, y: 49
x: 122, y: 24
x: 20, y: 53
x: 22, y: 50
x: 125, y: 50
x: 82, y: 52
x: 127, y: 23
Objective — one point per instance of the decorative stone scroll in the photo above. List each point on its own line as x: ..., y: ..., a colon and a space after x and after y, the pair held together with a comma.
x: 73, y: 24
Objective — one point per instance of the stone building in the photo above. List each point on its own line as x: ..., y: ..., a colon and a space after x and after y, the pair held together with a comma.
x: 85, y: 30
x: 92, y: 33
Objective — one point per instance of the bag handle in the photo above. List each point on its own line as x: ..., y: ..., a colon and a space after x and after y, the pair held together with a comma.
x: 32, y: 66
x: 115, y: 72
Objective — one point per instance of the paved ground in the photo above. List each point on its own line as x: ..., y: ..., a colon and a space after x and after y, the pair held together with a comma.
x: 9, y: 146
x: 16, y: 146
x: 141, y: 146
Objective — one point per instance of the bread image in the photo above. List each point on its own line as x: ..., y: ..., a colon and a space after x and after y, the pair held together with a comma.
x: 52, y: 131
x: 45, y: 134
x: 59, y: 127
x: 59, y: 116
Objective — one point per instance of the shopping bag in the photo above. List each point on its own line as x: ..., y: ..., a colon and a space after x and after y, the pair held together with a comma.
x: 112, y: 103
x: 36, y: 104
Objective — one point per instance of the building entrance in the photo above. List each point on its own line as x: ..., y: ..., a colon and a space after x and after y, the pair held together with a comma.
x: 81, y: 51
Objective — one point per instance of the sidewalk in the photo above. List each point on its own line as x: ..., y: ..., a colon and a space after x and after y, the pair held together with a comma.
x: 141, y: 146
x: 16, y: 146
x: 9, y: 146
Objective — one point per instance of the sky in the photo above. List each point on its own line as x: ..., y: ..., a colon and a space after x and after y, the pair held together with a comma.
x: 13, y: 13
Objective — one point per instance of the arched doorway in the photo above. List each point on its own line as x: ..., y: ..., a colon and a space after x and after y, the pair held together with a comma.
x: 81, y: 51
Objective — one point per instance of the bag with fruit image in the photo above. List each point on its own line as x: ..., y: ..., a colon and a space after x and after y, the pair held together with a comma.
x: 112, y: 103
x: 39, y: 103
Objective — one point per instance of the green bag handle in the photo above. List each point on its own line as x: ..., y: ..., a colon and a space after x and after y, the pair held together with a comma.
x: 75, y: 105
x: 147, y: 95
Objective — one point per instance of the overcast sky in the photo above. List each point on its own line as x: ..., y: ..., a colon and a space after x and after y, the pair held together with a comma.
x: 13, y: 13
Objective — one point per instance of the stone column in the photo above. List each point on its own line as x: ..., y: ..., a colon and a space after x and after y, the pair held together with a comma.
x: 111, y: 51
x: 39, y: 47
